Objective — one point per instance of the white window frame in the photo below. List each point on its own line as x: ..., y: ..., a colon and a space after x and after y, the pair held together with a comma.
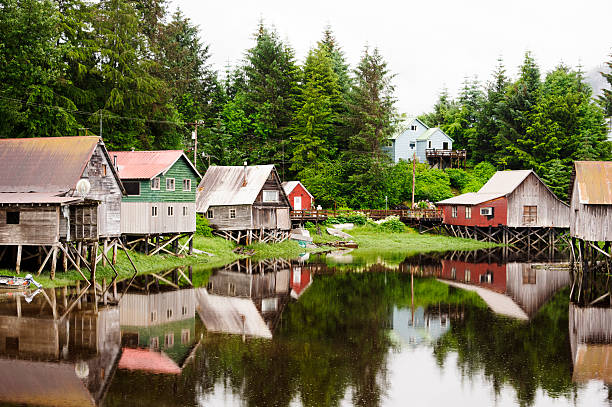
x: 169, y: 339
x: 210, y: 213
x: 170, y: 211
x: 187, y: 184
x: 154, y: 211
x: 155, y: 184
x: 265, y: 197
x: 173, y: 184
x: 185, y: 211
x: 454, y: 211
x: 169, y: 313
x: 154, y: 342
x: 232, y: 213
x: 468, y: 212
x: 185, y: 336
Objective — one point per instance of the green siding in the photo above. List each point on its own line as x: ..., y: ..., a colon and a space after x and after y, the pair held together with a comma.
x: 179, y: 171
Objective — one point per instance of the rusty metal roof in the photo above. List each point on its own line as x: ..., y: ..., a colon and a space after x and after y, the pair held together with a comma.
x: 35, y: 198
x: 49, y: 164
x: 594, y: 180
x: 147, y: 164
x: 223, y: 185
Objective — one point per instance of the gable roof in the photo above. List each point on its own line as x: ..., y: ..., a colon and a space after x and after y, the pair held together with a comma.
x: 289, y: 186
x: 223, y: 185
x: 405, y: 125
x: 47, y: 164
x: 430, y: 132
x: 594, y: 180
x: 148, y: 164
x: 470, y: 198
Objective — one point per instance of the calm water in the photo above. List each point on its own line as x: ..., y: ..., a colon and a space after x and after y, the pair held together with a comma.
x: 327, y: 330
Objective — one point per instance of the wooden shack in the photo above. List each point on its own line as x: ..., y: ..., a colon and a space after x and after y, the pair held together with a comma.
x: 159, y: 208
x: 513, y: 207
x: 299, y: 197
x: 245, y: 203
x: 57, y: 194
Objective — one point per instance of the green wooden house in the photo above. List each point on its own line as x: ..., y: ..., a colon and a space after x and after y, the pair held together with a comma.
x: 161, y: 191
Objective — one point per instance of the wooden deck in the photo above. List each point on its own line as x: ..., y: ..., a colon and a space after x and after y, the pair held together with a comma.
x: 405, y: 215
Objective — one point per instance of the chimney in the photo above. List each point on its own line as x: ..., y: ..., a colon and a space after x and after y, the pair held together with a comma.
x: 244, y: 179
x: 115, y: 161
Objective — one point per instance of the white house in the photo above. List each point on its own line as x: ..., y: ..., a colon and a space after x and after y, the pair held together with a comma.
x: 414, y: 136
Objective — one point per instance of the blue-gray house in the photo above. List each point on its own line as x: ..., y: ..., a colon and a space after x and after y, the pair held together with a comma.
x: 415, y: 137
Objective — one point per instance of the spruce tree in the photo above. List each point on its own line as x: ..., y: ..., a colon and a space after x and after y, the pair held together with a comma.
x: 605, y: 99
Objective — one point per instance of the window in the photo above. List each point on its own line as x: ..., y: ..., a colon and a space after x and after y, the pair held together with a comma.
x: 210, y: 214
x: 269, y: 304
x: 104, y: 169
x: 169, y: 339
x: 155, y: 183
x: 445, y: 145
x: 270, y: 196
x: 232, y: 213
x: 454, y: 273
x: 153, y: 316
x: 154, y: 211
x: 529, y: 276
x: 184, y: 310
x: 231, y: 289
x: 169, y: 184
x: 297, y: 275
x: 171, y: 211
x: 468, y: 275
x: 185, y: 334
x: 454, y: 211
x: 468, y: 212
x: 12, y: 218
x: 154, y: 344
x: 413, y: 127
x: 429, y: 144
x: 186, y: 184
x: 530, y: 214
x: 132, y: 188
x: 169, y: 313
x: 185, y: 211
x: 412, y: 144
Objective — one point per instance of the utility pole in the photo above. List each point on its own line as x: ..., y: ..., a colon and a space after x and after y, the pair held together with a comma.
x: 194, y: 137
x: 413, y: 177
x: 100, y: 124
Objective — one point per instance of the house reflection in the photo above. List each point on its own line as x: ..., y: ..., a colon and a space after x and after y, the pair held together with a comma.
x: 57, y: 346
x: 158, y: 327
x: 516, y: 289
x: 248, y: 297
x: 423, y: 326
x: 590, y: 330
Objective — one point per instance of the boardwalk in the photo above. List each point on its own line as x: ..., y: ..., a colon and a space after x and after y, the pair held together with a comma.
x: 405, y: 215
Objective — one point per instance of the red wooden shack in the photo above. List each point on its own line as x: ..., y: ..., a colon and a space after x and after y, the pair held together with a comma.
x: 510, y: 198
x: 299, y: 197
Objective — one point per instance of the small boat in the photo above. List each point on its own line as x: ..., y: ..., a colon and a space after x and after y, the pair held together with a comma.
x: 18, y: 282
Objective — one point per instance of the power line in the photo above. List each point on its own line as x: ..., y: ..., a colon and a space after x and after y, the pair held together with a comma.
x: 103, y: 115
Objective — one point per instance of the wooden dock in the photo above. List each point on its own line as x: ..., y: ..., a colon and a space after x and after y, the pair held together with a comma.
x: 406, y: 215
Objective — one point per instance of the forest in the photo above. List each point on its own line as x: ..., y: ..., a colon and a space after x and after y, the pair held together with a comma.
x: 140, y: 75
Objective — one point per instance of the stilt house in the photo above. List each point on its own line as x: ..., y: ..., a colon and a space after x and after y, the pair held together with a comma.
x: 161, y: 191
x: 56, y: 191
x: 299, y: 197
x: 517, y: 202
x: 591, y: 201
x: 245, y: 203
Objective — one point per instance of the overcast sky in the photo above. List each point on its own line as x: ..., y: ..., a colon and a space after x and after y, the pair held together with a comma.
x: 428, y: 44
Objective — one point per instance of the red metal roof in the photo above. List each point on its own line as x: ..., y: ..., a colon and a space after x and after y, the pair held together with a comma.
x: 35, y: 198
x: 49, y: 164
x: 148, y: 361
x: 594, y: 180
x: 146, y: 164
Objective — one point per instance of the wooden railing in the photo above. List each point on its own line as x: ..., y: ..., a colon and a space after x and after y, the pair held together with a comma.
x: 435, y: 153
x: 405, y: 214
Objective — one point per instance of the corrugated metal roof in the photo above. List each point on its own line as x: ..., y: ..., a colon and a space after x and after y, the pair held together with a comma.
x: 223, y: 185
x: 470, y: 198
x: 35, y: 198
x: 594, y: 180
x: 147, y: 164
x: 48, y: 164
x: 504, y: 182
x: 148, y: 361
x: 289, y: 186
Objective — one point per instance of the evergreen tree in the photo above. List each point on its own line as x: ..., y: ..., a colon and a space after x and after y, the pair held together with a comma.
x: 370, y: 118
x: 605, y: 100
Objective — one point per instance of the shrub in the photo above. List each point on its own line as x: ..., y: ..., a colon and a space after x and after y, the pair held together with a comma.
x: 203, y: 226
x: 458, y: 178
x: 309, y: 225
x: 357, y: 218
x: 393, y: 224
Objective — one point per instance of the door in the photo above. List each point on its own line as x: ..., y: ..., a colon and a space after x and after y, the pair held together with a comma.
x: 445, y: 145
x: 297, y: 203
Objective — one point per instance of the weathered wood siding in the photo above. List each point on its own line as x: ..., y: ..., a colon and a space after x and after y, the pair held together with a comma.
x: 221, y: 218
x: 157, y: 309
x: 37, y: 336
x: 272, y: 215
x: 137, y: 219
x: 255, y: 286
x: 106, y: 189
x: 38, y: 225
x: 179, y: 171
x: 551, y: 211
x: 590, y: 222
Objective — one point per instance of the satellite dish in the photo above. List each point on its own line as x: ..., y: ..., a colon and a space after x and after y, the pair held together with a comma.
x: 81, y: 369
x: 83, y: 187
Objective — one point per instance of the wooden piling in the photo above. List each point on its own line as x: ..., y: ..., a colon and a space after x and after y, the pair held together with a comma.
x: 93, y: 263
x: 80, y: 251
x: 104, y: 249
x: 18, y: 261
x: 115, y: 253
x: 53, y: 261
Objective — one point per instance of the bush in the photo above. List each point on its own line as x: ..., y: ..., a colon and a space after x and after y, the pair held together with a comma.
x: 203, y: 226
x: 309, y: 225
x: 357, y: 218
x: 393, y: 224
x: 458, y: 178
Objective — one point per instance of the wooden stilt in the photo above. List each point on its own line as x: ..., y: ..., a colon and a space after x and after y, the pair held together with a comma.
x: 53, y: 261
x: 191, y: 244
x: 80, y: 251
x: 146, y: 244
x: 115, y: 252
x: 104, y: 249
x: 18, y: 261
x: 93, y: 263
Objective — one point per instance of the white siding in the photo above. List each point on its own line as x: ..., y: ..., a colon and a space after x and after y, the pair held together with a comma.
x: 402, y: 150
x: 136, y: 218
